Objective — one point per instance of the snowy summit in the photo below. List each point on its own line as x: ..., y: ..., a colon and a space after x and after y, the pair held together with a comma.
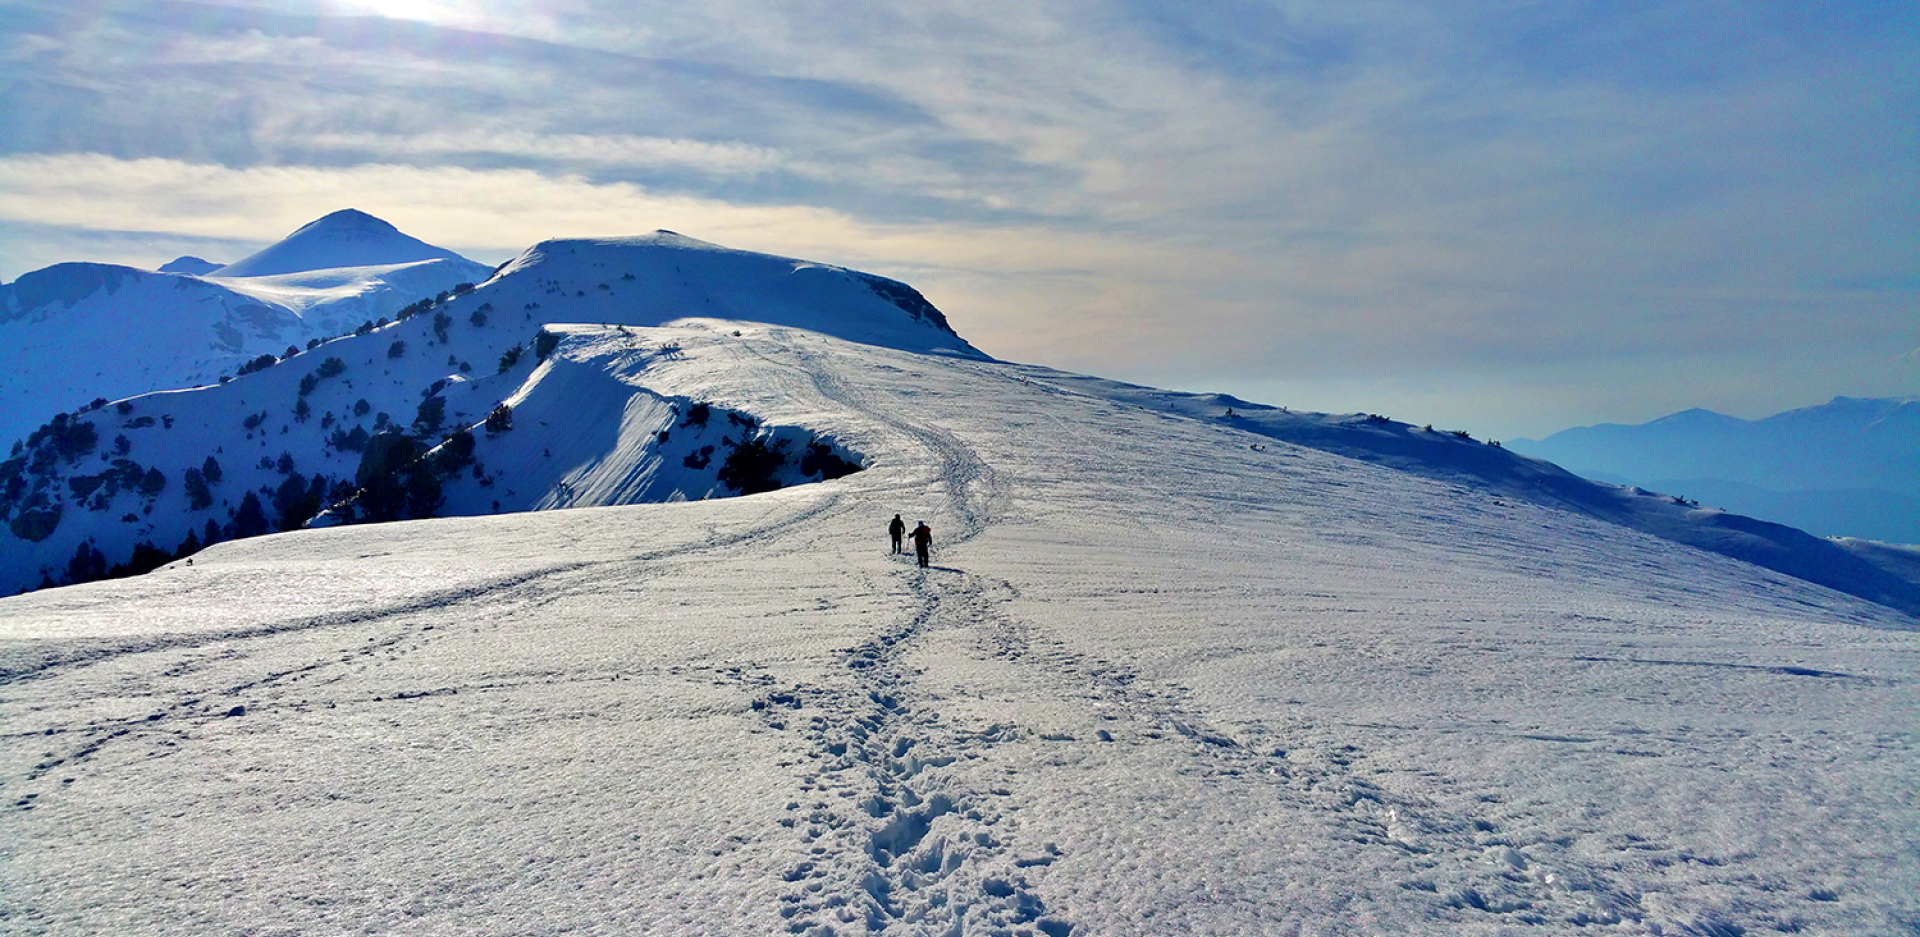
x: 346, y: 238
x: 78, y: 332
x: 1180, y: 664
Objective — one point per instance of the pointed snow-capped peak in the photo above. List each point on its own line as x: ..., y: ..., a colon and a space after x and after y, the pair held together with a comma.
x: 346, y: 238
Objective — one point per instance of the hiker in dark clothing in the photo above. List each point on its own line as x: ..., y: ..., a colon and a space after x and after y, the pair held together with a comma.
x: 922, y: 541
x: 897, y: 529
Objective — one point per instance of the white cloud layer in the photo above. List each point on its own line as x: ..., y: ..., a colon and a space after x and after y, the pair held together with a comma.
x: 1528, y: 215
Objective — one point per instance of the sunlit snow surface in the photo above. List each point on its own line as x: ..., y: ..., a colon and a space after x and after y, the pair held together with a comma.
x: 1157, y: 682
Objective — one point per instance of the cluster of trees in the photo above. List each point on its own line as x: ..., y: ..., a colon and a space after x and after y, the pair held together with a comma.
x: 821, y: 460
x: 332, y: 367
x: 400, y: 472
x: 258, y: 364
x: 199, y: 483
x: 431, y: 413
x: 29, y: 496
x: 89, y: 564
x: 64, y: 436
x: 398, y: 478
x: 398, y: 475
x: 750, y: 467
x: 125, y: 474
x: 500, y: 419
x: 296, y: 500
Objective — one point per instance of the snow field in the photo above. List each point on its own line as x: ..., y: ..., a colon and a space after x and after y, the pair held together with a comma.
x: 1157, y: 682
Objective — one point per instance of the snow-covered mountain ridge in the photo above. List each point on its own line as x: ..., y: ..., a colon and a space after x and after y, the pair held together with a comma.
x: 310, y: 428
x: 76, y: 332
x: 1849, y: 466
x: 147, y: 477
x: 1847, y: 442
x: 1166, y: 675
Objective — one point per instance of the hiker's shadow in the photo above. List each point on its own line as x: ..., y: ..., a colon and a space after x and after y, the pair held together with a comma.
x: 931, y: 569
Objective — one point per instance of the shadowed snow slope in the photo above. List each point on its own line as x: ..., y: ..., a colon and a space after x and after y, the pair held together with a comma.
x: 1165, y: 676
x: 592, y: 435
x: 75, y: 332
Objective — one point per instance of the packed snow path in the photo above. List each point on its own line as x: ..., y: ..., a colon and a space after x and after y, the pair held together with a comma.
x: 1157, y: 682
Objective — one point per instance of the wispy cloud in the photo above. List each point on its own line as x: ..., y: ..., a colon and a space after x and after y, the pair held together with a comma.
x: 1238, y: 191
x: 622, y: 150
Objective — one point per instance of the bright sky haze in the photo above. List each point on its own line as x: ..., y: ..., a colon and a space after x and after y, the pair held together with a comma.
x: 1504, y: 217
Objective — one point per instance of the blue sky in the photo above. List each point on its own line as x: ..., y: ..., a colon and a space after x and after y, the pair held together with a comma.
x: 1507, y: 217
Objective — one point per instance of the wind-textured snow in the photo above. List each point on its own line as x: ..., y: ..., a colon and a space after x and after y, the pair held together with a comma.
x: 1166, y: 676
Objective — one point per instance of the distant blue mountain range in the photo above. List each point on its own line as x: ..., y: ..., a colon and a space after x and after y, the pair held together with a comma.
x: 1847, y: 468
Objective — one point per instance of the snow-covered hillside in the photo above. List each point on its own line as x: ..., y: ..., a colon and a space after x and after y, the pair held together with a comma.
x: 1170, y: 673
x: 75, y: 332
x: 161, y: 473
x: 346, y: 238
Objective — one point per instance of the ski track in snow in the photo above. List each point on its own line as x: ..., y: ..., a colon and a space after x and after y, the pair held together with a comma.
x: 723, y: 717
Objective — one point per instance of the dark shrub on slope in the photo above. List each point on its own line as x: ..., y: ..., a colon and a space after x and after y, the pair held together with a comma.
x: 749, y: 468
x: 381, y: 475
x: 821, y: 460
x: 500, y: 420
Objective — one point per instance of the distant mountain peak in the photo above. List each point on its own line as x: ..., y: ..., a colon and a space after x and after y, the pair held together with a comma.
x: 345, y: 238
x: 348, y: 221
x: 1694, y: 416
x: 189, y: 265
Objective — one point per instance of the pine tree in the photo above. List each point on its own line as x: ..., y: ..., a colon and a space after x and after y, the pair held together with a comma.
x: 500, y: 420
x: 251, y: 519
x: 198, y: 497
